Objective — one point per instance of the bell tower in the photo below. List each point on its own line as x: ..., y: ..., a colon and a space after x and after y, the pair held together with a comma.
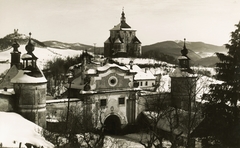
x: 183, y: 83
x: 184, y: 59
x: 30, y: 86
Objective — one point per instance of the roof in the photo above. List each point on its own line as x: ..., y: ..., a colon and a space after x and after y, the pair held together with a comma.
x: 109, y: 91
x: 141, y: 75
x: 108, y: 40
x: 108, y: 66
x: 182, y: 57
x: 120, y: 26
x: 5, y: 82
x: 26, y: 56
x: 135, y: 40
x: 9, y: 92
x: 22, y: 77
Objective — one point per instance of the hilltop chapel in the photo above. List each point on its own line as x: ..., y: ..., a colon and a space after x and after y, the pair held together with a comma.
x: 123, y: 41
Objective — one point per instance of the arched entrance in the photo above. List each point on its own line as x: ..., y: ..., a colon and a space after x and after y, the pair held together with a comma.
x: 112, y: 125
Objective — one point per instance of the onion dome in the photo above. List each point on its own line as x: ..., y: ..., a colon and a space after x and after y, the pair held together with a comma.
x: 30, y: 46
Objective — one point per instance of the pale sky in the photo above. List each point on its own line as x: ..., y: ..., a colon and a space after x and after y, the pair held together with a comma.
x: 89, y: 21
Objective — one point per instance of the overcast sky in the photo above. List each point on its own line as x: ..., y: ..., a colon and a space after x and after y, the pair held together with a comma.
x: 89, y: 21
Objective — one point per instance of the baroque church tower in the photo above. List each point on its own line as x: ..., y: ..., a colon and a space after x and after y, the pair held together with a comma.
x: 30, y: 87
x: 123, y: 41
x: 183, y: 83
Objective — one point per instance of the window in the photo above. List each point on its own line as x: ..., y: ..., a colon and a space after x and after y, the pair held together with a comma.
x: 112, y: 81
x: 121, y: 101
x: 103, y: 102
x: 140, y: 83
x: 146, y: 83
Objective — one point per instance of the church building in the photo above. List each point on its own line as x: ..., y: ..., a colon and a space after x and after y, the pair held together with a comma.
x: 123, y: 41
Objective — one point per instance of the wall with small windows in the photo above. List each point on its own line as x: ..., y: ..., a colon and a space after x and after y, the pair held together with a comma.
x: 146, y: 84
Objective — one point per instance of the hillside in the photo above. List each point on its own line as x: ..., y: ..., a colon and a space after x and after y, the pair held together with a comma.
x: 167, y: 51
x: 208, y: 61
x: 7, y: 41
x: 61, y: 45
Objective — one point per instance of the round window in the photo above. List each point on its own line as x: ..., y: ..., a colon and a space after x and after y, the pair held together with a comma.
x: 112, y: 81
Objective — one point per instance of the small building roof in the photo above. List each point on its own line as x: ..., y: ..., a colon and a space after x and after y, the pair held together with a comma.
x: 9, y: 92
x: 140, y: 74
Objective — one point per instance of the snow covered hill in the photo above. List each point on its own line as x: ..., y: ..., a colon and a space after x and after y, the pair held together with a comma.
x: 43, y: 54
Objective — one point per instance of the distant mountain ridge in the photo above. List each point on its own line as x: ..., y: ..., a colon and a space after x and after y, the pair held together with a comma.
x: 201, y: 47
x: 169, y: 51
x: 62, y: 45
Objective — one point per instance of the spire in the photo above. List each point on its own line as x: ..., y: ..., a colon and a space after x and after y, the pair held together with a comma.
x: 123, y: 18
x: 184, y: 51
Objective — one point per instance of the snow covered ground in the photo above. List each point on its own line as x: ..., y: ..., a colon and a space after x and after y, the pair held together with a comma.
x: 16, y: 130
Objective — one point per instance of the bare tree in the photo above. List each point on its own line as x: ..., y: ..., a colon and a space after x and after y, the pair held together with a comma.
x: 81, y: 128
x: 174, y: 115
x: 155, y: 109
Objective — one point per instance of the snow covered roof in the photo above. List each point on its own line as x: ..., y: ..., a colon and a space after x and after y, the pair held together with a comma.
x: 15, y: 130
x: 22, y: 77
x: 182, y: 57
x: 109, y: 91
x: 107, y: 66
x: 26, y: 56
x: 91, y: 71
x: 62, y: 100
x: 9, y: 92
x: 141, y: 75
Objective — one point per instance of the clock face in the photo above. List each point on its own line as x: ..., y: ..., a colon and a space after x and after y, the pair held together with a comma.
x: 112, y: 81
